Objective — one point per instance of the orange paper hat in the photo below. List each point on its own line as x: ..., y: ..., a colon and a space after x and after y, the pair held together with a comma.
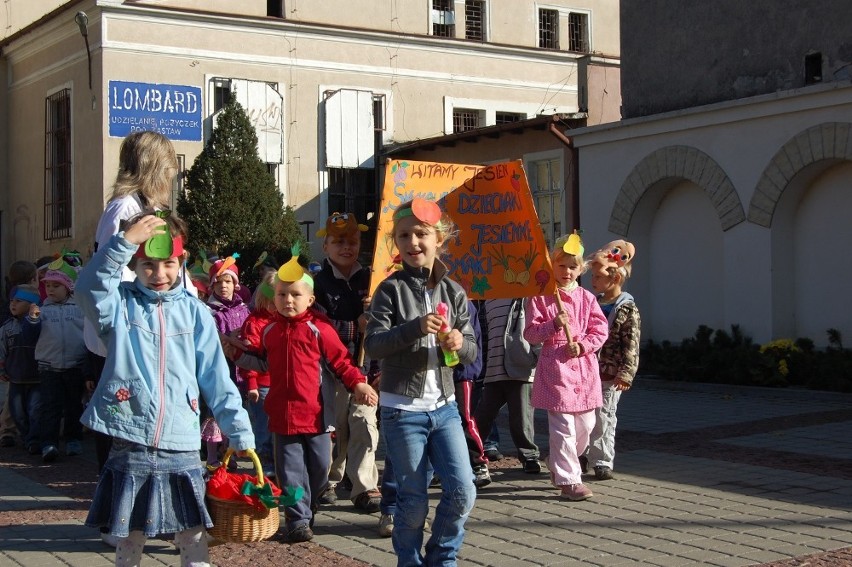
x: 341, y: 224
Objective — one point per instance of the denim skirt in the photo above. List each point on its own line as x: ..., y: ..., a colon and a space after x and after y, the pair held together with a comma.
x: 149, y: 490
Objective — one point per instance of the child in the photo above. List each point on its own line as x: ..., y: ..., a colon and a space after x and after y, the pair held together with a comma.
x: 257, y: 383
x: 20, y: 272
x: 619, y: 358
x: 18, y: 337
x: 419, y: 416
x: 464, y: 376
x: 230, y: 313
x: 297, y: 345
x: 571, y: 328
x: 163, y: 354
x: 61, y: 355
x: 341, y: 287
x: 509, y: 382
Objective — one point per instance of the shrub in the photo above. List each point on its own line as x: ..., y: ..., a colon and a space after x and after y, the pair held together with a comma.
x: 733, y: 358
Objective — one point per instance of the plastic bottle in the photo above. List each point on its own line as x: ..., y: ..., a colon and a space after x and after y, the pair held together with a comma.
x: 451, y: 358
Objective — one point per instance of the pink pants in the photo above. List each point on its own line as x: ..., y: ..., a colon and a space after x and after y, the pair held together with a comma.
x: 569, y: 438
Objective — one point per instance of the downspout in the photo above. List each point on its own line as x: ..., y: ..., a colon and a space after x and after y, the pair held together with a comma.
x: 574, y: 181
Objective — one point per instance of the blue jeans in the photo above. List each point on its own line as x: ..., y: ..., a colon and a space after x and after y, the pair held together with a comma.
x: 260, y: 425
x: 388, y: 487
x: 25, y: 407
x: 414, y: 440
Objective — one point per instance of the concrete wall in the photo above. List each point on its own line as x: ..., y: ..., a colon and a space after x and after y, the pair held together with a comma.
x: 683, y: 54
x: 736, y: 211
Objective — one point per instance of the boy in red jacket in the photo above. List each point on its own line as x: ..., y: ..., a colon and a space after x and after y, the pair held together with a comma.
x: 301, y: 351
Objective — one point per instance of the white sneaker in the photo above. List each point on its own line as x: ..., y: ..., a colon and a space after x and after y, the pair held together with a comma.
x: 386, y: 525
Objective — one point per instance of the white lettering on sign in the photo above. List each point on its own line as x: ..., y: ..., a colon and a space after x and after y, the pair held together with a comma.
x: 154, y: 100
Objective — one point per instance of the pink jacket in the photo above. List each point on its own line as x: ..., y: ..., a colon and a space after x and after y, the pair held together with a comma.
x: 563, y: 384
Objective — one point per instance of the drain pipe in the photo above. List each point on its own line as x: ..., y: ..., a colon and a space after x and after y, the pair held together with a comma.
x: 572, y: 156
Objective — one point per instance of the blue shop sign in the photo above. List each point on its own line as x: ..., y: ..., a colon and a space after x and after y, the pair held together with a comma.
x: 171, y: 110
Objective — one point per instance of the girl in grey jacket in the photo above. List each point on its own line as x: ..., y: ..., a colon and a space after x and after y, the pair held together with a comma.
x: 419, y: 416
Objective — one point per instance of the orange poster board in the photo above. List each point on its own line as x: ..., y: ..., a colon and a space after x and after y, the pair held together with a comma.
x: 500, y: 250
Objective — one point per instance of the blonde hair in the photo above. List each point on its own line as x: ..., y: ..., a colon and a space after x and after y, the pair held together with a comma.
x: 147, y: 165
x: 263, y: 302
x: 445, y: 227
x: 558, y: 253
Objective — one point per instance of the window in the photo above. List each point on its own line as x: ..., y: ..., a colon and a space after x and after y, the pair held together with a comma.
x: 474, y: 20
x: 443, y: 18
x: 813, y: 68
x: 353, y: 190
x: 465, y: 119
x: 275, y: 8
x: 546, y: 181
x: 178, y: 182
x: 222, y: 94
x: 57, y: 165
x: 548, y: 28
x: 506, y: 117
x: 578, y: 32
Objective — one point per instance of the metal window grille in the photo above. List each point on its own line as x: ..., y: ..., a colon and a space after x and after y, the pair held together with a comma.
x: 354, y: 191
x: 506, y: 117
x: 465, y: 119
x: 443, y: 18
x: 474, y: 20
x: 578, y: 32
x: 548, y: 29
x: 57, y: 165
x: 545, y: 178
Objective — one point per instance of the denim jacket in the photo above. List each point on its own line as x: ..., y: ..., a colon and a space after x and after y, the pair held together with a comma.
x: 394, y: 335
x: 60, y: 345
x: 163, y: 353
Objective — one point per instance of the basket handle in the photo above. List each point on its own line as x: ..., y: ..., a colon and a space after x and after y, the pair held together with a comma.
x: 261, y: 480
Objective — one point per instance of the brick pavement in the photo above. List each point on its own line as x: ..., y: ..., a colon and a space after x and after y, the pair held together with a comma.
x: 706, y: 475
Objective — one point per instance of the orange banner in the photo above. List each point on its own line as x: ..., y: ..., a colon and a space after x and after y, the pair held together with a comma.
x: 500, y: 251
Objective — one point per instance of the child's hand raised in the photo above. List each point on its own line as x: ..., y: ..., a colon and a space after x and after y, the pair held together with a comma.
x: 144, y: 229
x: 365, y: 395
x: 35, y: 312
x: 431, y: 323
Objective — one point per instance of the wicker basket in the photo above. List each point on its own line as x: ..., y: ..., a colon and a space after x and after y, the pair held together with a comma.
x: 239, y: 522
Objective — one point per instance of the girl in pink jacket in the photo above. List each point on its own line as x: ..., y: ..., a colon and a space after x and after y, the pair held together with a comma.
x: 571, y: 328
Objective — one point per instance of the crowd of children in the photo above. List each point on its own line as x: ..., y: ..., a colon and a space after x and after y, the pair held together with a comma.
x: 169, y: 364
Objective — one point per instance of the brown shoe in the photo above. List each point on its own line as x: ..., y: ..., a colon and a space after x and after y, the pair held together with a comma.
x: 368, y: 501
x: 576, y: 492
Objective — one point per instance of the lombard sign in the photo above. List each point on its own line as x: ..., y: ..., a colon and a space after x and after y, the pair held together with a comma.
x: 171, y: 110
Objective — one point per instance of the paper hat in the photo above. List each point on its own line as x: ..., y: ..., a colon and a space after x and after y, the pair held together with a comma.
x: 292, y: 271
x: 571, y: 244
x: 616, y: 254
x: 422, y: 209
x: 161, y: 247
x: 26, y: 293
x: 226, y: 266
x: 341, y: 224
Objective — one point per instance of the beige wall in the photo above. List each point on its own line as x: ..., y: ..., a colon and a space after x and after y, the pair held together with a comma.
x: 18, y: 14
x: 422, y: 79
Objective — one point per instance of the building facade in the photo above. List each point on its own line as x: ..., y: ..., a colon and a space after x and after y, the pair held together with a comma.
x: 327, y: 85
x: 731, y: 170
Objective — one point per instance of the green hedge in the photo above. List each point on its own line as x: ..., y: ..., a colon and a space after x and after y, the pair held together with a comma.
x: 733, y: 358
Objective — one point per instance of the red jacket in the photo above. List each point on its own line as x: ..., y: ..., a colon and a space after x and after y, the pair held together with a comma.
x: 297, y: 348
x: 252, y: 332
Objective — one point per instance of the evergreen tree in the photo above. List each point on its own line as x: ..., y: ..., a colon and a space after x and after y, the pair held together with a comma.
x: 231, y: 202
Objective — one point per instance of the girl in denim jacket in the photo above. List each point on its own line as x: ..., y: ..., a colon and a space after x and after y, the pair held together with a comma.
x: 163, y: 356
